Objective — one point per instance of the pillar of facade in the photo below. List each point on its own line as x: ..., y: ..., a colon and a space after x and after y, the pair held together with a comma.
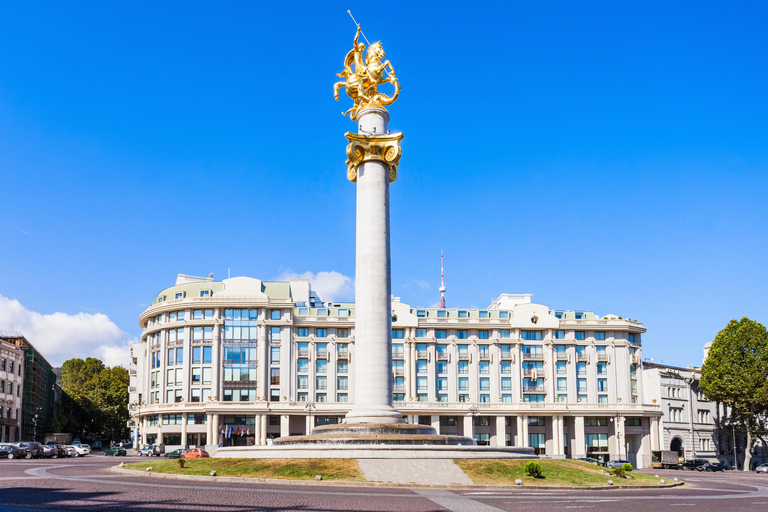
x: 285, y: 425
x: 468, y: 430
x: 654, y: 433
x: 501, y: 431
x: 308, y: 424
x: 257, y: 429
x: 557, y: 437
x: 184, y: 429
x: 264, y: 421
x: 579, y: 448
x: 519, y: 431
x: 410, y: 369
x: 262, y: 384
x: 373, y: 308
x: 620, y: 440
x: 435, y: 420
x: 524, y: 433
x: 215, y: 431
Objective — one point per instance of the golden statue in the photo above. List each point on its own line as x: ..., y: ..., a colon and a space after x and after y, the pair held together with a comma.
x: 367, y: 75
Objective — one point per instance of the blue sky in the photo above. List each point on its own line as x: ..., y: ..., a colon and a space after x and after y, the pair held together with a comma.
x: 606, y: 156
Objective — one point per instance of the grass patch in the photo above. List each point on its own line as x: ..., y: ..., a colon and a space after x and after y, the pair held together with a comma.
x: 288, y: 469
x: 567, y: 472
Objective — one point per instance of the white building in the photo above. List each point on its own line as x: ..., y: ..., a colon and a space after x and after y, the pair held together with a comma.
x: 239, y: 361
x: 11, y: 391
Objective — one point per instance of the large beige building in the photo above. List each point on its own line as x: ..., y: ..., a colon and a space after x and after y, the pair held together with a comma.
x: 241, y: 361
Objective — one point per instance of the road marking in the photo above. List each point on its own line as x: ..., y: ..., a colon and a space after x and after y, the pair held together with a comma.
x: 454, y: 502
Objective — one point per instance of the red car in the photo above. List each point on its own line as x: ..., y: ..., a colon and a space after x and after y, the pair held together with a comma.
x: 195, y: 453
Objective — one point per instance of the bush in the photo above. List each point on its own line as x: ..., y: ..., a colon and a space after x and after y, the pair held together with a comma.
x: 533, y: 469
x: 627, y: 467
x: 180, y: 461
x: 618, y: 472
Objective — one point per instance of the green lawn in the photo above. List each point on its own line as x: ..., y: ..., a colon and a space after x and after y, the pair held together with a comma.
x: 574, y: 473
x: 289, y: 469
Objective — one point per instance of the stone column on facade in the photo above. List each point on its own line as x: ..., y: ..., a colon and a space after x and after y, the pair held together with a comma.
x: 468, y: 430
x: 620, y: 438
x: 215, y: 431
x: 184, y: 429
x: 579, y: 448
x: 308, y: 424
x: 209, y: 429
x: 501, y: 430
x: 216, y: 359
x: 435, y: 420
x: 524, y: 434
x: 373, y: 309
x: 557, y: 436
x: 285, y: 425
x: 519, y: 431
x: 263, y: 434
x: 654, y: 434
x: 263, y: 382
x: 410, y: 369
x: 257, y: 429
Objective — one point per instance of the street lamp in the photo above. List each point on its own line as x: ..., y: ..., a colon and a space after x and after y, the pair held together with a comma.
x: 309, y: 407
x: 135, y: 408
x: 618, y: 419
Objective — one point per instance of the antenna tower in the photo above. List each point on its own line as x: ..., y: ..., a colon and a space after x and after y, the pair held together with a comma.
x: 442, y: 281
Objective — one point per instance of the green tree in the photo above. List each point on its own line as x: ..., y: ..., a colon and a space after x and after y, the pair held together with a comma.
x: 109, y: 397
x: 735, y: 373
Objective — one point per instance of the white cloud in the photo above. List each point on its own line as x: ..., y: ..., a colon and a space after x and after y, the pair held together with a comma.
x: 331, y: 286
x: 60, y: 336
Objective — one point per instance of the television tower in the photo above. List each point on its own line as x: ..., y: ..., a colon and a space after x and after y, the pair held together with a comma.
x: 442, y: 282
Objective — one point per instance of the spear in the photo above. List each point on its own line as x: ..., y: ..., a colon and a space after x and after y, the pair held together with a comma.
x: 358, y: 25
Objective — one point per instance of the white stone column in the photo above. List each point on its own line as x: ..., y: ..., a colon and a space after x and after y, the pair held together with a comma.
x: 285, y: 425
x: 468, y: 427
x: 373, y: 309
x: 501, y: 430
x: 215, y: 438
x: 579, y: 448
x: 257, y: 429
x: 524, y: 433
x: 435, y: 420
x: 654, y: 433
x: 519, y: 431
x: 184, y: 429
x: 264, y: 422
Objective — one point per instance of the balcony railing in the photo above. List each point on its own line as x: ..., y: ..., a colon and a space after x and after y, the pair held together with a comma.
x: 534, y: 389
x: 421, y: 353
x: 603, y: 358
x: 562, y: 356
x: 342, y: 354
x: 533, y: 357
x: 303, y: 352
x: 582, y: 357
x: 485, y: 356
x: 463, y: 355
x: 322, y: 354
x: 506, y: 355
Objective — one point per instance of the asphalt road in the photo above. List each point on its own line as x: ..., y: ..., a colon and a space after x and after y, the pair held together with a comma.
x: 84, y: 484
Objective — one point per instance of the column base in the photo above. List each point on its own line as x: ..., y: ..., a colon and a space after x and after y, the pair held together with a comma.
x: 374, y: 414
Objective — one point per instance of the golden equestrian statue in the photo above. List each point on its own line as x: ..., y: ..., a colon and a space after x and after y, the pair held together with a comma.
x: 367, y: 75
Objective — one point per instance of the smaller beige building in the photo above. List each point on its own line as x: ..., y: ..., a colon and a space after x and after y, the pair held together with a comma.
x: 11, y: 391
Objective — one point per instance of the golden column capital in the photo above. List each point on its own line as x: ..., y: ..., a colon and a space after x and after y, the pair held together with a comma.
x: 366, y: 148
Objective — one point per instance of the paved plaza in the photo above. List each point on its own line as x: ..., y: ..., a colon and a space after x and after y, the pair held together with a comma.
x: 87, y: 485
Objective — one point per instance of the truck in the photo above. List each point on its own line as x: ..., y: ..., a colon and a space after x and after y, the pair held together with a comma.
x: 665, y: 459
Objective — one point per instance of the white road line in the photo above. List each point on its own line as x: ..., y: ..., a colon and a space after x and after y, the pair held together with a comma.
x: 454, y: 502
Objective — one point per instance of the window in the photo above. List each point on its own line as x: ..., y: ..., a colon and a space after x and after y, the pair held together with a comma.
x: 274, y: 376
x: 483, y: 335
x: 397, y: 350
x: 442, y: 350
x: 703, y: 416
x: 595, y: 421
x: 506, y: 383
x: 342, y: 349
x: 421, y: 313
x: 463, y: 367
x: 602, y: 369
x: 560, y: 368
x: 531, y: 335
x: 342, y: 383
x: 631, y: 338
x: 342, y: 332
x: 442, y: 367
x: 461, y: 334
x: 321, y: 365
x: 302, y: 365
x: 197, y: 314
x: 205, y: 293
x: 303, y: 332
x: 421, y: 333
x: 342, y: 367
x: 675, y: 415
x: 602, y: 385
x: 561, y: 384
x: 596, y: 443
x: 503, y: 314
x: 484, y: 368
x: 581, y: 385
x: 504, y: 333
x: 559, y: 335
x: 421, y: 383
x: 463, y: 314
x: 321, y: 349
x: 321, y: 383
x: 632, y: 421
x: 600, y: 336
x: 485, y: 384
x: 579, y: 335
x: 421, y: 350
x: 581, y: 368
x: 275, y: 314
x: 322, y: 333
x: 448, y: 421
x: 463, y: 351
x: 275, y: 334
x: 442, y: 384
x: 274, y: 355
x: 482, y: 314
x: 342, y: 312
x: 463, y: 383
x: 421, y: 366
x: 538, y: 442
x: 397, y: 334
x: 602, y: 399
x: 442, y: 334
x: 505, y: 366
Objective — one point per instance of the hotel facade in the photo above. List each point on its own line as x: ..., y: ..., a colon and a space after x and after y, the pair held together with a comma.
x: 242, y: 361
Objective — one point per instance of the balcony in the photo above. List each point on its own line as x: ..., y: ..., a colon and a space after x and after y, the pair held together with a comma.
x: 322, y: 354
x: 398, y: 388
x: 533, y: 357
x: 463, y: 356
x: 506, y: 355
x: 485, y: 356
x: 442, y: 356
x: 562, y: 356
x: 303, y: 352
x: 531, y: 373
x: 582, y: 357
x: 421, y: 354
x: 342, y: 354
x: 603, y: 358
x: 534, y: 389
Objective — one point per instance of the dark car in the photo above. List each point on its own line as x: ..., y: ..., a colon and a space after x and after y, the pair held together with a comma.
x: 9, y: 451
x: 115, y: 451
x: 712, y: 466
x: 32, y: 450
x: 175, y: 454
x: 54, y: 451
x: 612, y: 464
x: 596, y: 462
x: 693, y: 464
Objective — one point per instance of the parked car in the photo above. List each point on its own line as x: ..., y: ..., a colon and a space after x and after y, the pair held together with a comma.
x: 10, y: 451
x: 71, y: 452
x: 591, y: 460
x: 175, y: 454
x: 616, y: 463
x: 152, y: 449
x: 96, y: 445
x: 32, y: 450
x: 81, y: 450
x: 693, y: 464
x: 115, y: 451
x: 763, y: 468
x: 712, y: 466
x: 53, y: 451
x: 195, y: 453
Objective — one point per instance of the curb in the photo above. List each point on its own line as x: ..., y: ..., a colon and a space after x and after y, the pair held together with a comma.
x: 346, y: 483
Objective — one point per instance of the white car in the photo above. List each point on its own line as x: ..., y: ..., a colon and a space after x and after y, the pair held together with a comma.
x: 80, y: 449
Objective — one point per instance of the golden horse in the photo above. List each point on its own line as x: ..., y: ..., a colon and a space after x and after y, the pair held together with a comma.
x: 361, y: 84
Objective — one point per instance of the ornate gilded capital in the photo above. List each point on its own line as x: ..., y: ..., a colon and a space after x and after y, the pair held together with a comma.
x: 367, y: 148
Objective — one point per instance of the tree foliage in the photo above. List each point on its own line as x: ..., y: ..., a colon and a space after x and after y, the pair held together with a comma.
x: 735, y: 373
x: 94, y: 398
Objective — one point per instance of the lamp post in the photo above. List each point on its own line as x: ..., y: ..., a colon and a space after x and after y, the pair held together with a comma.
x: 617, y: 420
x: 135, y: 408
x: 309, y: 407
x: 472, y: 412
